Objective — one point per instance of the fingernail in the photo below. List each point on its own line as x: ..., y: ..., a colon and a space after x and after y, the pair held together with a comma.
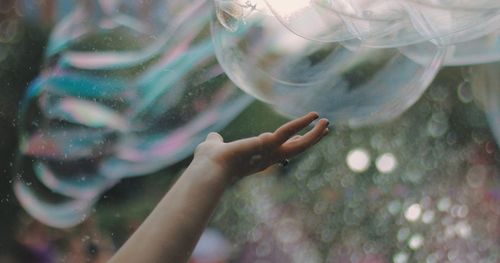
x: 316, y: 115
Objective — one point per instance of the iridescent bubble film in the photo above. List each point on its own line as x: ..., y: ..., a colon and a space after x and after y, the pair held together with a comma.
x: 314, y: 55
x: 128, y: 89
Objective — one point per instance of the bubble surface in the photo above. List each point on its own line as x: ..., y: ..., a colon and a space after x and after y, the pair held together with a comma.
x: 297, y: 75
x: 302, y: 56
x: 126, y: 91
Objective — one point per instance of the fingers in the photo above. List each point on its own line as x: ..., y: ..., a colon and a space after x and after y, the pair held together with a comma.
x: 214, y: 136
x: 283, y: 133
x: 298, y: 145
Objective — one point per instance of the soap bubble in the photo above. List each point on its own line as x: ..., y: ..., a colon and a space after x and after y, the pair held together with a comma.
x: 481, y: 50
x: 451, y: 22
x: 381, y: 23
x: 298, y: 16
x: 357, y: 86
x: 378, y: 23
x: 375, y: 23
x: 59, y: 213
x: 130, y: 88
x: 127, y: 90
x: 485, y: 49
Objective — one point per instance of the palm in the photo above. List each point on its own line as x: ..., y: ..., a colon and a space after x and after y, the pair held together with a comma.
x: 247, y: 156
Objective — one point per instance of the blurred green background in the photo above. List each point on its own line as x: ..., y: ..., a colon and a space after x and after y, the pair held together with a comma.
x: 430, y: 191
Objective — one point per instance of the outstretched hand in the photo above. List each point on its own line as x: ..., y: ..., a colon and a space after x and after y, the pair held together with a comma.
x: 173, y: 228
x: 243, y: 157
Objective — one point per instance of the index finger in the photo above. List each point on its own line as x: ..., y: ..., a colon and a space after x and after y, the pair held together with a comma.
x: 289, y: 129
x: 294, y: 147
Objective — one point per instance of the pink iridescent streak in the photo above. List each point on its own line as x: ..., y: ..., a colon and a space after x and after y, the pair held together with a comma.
x: 177, y: 51
x: 48, y: 177
x: 180, y: 137
x: 92, y: 114
x: 40, y: 145
x: 173, y: 142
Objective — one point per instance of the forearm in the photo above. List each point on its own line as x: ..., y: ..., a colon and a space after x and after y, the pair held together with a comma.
x: 171, y: 231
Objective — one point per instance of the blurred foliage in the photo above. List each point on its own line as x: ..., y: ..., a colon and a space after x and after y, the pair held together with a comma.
x: 437, y: 145
x: 343, y: 213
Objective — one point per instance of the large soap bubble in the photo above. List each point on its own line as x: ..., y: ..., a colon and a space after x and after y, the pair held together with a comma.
x: 381, y: 23
x: 376, y: 23
x: 355, y: 61
x: 350, y: 84
x: 131, y: 87
x: 127, y: 90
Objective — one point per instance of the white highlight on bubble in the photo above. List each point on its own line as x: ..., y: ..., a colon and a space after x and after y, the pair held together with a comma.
x: 413, y: 212
x: 358, y: 160
x: 386, y: 163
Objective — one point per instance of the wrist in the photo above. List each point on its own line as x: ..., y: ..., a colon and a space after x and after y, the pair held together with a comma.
x: 211, y: 171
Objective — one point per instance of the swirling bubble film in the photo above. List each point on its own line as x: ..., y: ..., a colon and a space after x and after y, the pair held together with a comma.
x: 126, y: 91
x: 302, y: 55
x: 409, y: 172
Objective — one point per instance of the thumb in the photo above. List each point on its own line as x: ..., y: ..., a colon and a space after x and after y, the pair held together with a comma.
x: 214, y: 136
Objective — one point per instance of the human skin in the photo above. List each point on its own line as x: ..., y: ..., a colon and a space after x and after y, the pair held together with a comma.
x: 173, y: 228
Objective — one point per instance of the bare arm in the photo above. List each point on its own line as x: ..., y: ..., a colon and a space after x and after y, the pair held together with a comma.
x: 171, y: 231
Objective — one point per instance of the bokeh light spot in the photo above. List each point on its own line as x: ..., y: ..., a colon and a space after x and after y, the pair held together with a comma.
x: 413, y: 212
x: 428, y: 216
x: 358, y: 160
x: 416, y: 241
x: 386, y: 163
x: 400, y: 257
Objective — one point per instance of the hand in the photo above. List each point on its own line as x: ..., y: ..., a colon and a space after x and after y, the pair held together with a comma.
x: 251, y: 155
